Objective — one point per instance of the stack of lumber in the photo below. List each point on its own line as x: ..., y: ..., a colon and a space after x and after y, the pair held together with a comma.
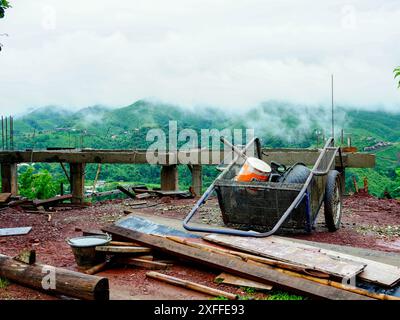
x: 276, y: 262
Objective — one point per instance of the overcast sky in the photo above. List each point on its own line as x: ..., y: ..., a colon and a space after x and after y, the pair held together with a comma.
x: 198, y: 52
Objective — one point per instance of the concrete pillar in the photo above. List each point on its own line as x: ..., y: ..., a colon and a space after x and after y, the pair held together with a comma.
x: 197, y: 182
x: 77, y: 176
x: 169, y: 178
x: 9, y: 178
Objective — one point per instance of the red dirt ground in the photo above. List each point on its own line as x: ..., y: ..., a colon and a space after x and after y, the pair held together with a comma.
x: 364, y: 224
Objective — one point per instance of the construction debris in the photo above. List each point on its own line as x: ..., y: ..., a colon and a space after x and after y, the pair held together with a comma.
x: 26, y: 256
x: 129, y: 193
x: 236, y: 266
x: 143, y: 263
x: 190, y: 285
x: 241, y: 282
x: 14, y: 231
x: 48, y: 202
x: 4, y: 197
x: 122, y: 249
x: 289, y: 252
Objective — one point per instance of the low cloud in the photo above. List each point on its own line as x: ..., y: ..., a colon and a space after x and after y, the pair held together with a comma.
x: 233, y: 54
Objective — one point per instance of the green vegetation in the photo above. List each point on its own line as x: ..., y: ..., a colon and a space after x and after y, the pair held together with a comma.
x: 4, y: 283
x: 397, y: 74
x: 278, y: 125
x: 38, y: 185
x: 4, y: 4
x: 280, y: 295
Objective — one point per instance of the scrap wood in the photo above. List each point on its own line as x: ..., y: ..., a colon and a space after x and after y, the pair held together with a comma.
x: 237, y: 267
x: 15, y: 203
x: 26, y: 256
x: 144, y: 195
x: 14, y: 231
x: 375, y: 272
x: 124, y: 244
x: 97, y: 268
x: 247, y: 256
x: 291, y: 253
x: 52, y: 200
x: 4, y: 197
x: 127, y: 192
x: 241, y: 282
x: 190, y: 285
x: 327, y: 282
x: 67, y: 282
x: 139, y: 203
x: 144, y: 263
x: 122, y: 249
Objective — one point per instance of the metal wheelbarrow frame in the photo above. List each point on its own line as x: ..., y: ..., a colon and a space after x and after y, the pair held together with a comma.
x: 325, y: 162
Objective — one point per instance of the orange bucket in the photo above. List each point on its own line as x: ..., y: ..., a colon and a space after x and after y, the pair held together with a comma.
x: 254, y: 169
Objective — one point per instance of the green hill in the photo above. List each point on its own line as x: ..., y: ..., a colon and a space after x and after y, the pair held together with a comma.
x: 278, y: 124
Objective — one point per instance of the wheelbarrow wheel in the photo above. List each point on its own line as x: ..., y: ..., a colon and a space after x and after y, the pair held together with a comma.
x: 333, y: 201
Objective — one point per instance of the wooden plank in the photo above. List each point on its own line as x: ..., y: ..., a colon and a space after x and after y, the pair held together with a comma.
x: 291, y: 253
x: 190, y: 285
x: 241, y: 282
x: 374, y: 272
x: 249, y: 257
x: 4, y: 232
x: 53, y: 200
x: 144, y: 263
x: 127, y: 192
x: 4, y: 196
x: 122, y: 249
x: 235, y: 266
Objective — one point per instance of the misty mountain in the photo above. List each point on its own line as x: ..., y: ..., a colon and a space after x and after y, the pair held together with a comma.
x: 278, y: 124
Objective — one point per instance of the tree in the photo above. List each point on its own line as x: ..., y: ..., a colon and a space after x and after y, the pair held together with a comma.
x: 397, y: 75
x: 4, y: 4
x: 37, y: 185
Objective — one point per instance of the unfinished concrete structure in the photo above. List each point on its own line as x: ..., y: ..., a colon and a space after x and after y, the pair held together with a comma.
x: 77, y: 159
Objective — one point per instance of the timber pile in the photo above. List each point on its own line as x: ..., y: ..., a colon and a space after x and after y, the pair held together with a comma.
x: 273, y: 261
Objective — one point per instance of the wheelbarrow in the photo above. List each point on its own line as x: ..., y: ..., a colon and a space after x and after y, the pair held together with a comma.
x: 289, y: 204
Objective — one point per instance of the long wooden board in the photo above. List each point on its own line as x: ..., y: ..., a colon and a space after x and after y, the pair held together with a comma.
x: 236, y: 266
x: 289, y: 252
x: 122, y: 249
x: 375, y: 272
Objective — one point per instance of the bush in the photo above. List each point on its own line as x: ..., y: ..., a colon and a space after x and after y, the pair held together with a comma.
x: 40, y: 185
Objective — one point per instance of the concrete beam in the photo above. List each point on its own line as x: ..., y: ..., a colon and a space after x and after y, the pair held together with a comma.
x: 204, y: 157
x: 197, y: 181
x: 9, y: 178
x: 77, y: 175
x: 169, y: 178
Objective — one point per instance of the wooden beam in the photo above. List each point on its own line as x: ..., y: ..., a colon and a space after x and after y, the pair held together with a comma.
x: 77, y: 174
x: 169, y: 178
x: 50, y: 201
x: 235, y: 266
x: 9, y: 178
